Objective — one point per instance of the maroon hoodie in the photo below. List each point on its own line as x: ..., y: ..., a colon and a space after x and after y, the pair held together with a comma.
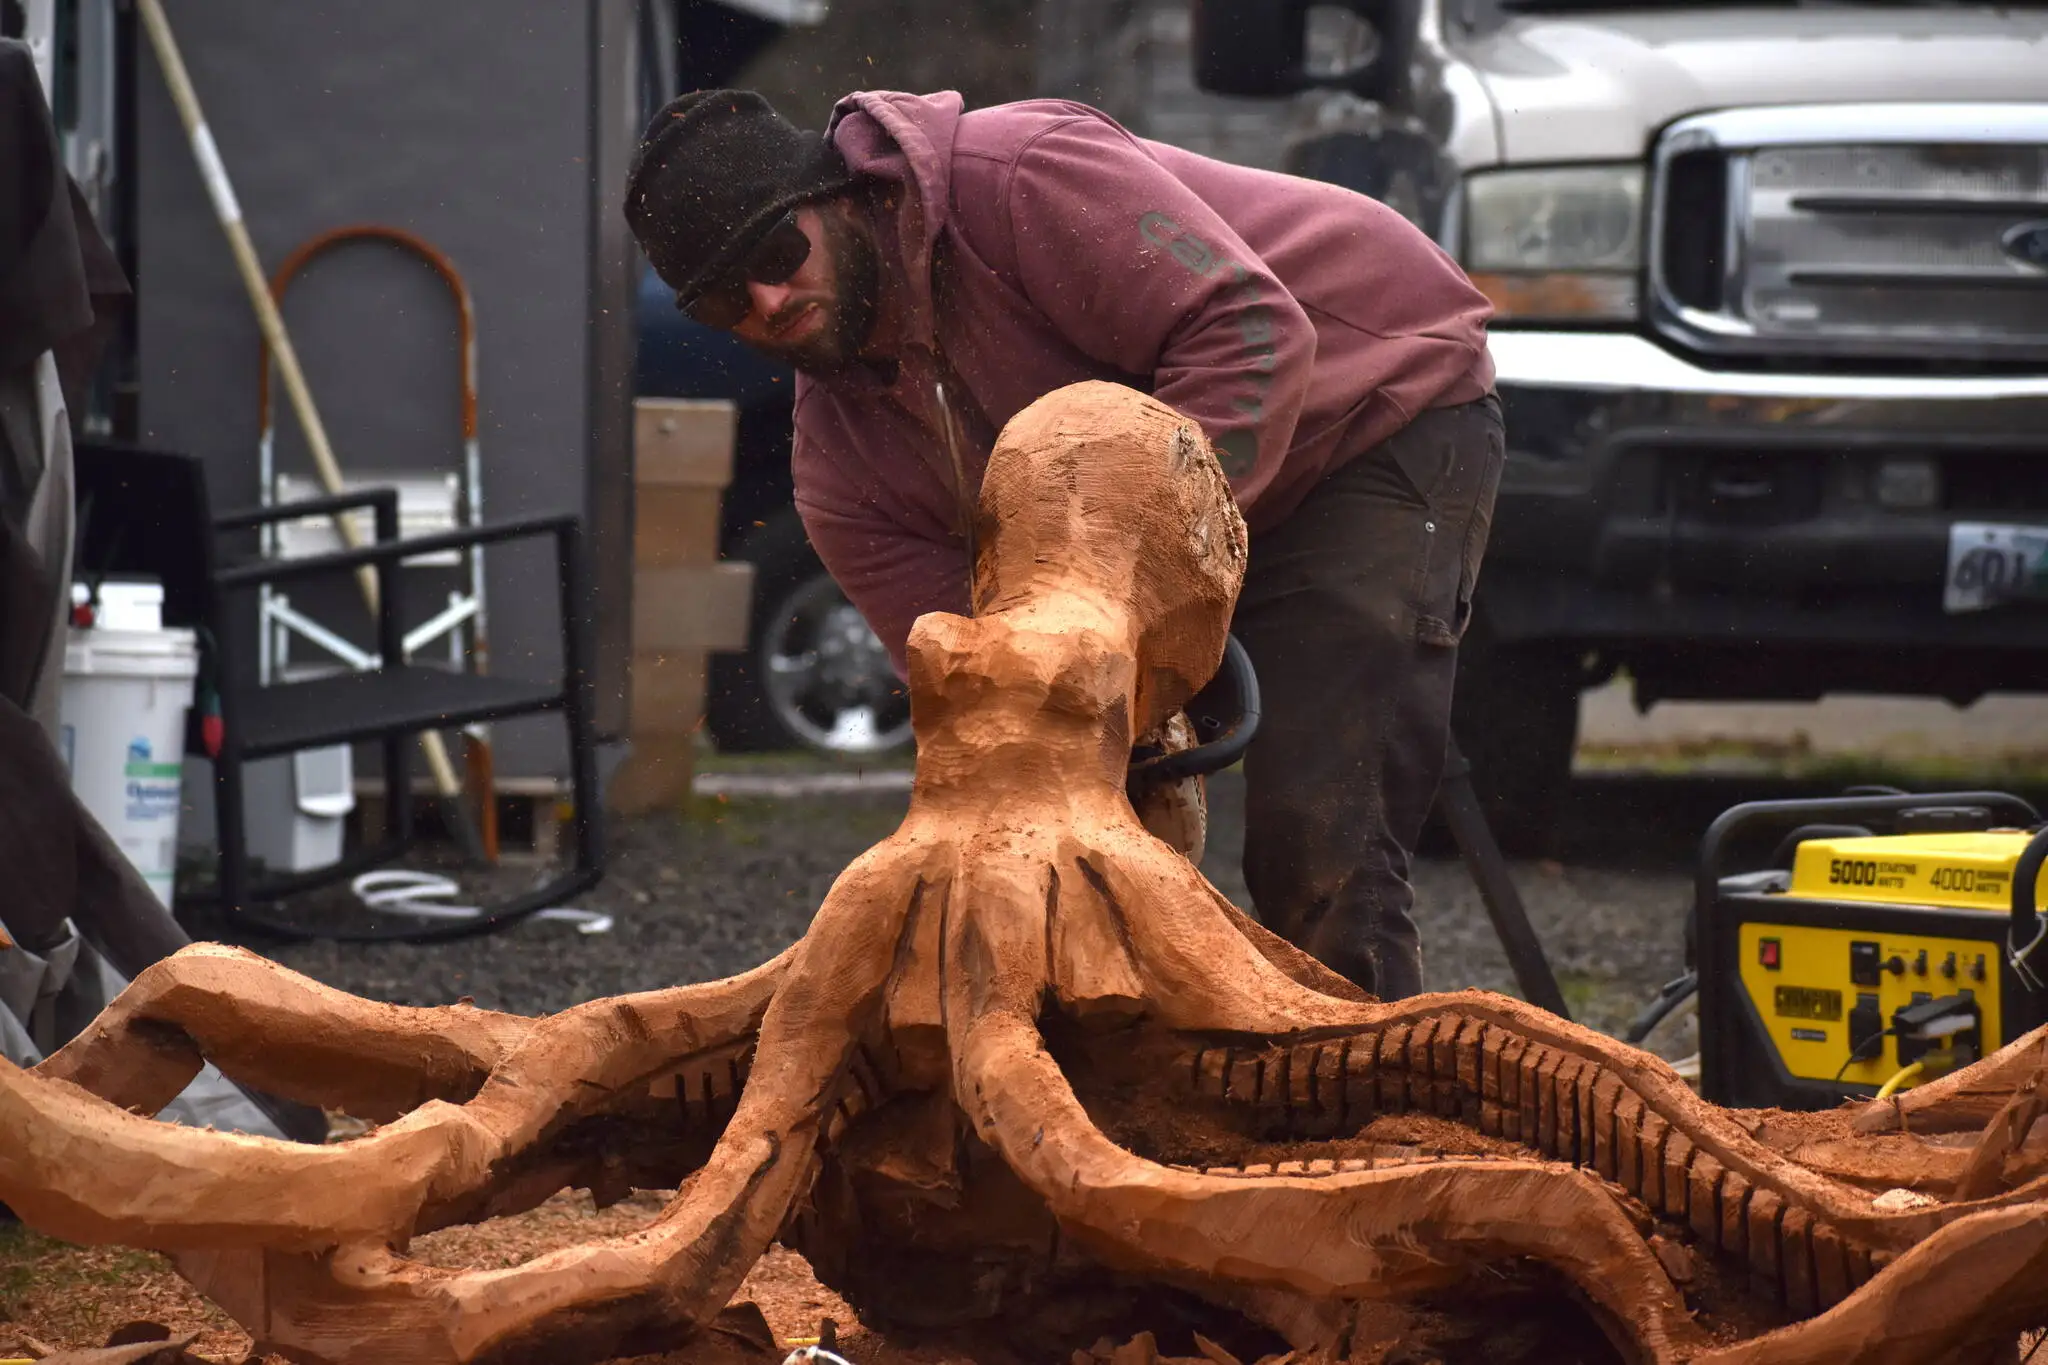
x: 1298, y: 322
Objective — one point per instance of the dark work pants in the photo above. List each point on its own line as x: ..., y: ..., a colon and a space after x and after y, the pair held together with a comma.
x: 1351, y: 611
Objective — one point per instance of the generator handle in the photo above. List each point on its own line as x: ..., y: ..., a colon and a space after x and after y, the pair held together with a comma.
x: 1788, y: 847
x: 2027, y: 929
x: 1706, y: 886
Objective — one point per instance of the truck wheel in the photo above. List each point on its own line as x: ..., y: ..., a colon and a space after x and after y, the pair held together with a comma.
x: 1516, y: 716
x: 813, y: 675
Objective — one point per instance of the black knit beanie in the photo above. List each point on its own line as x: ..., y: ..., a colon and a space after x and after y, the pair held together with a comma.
x: 715, y: 170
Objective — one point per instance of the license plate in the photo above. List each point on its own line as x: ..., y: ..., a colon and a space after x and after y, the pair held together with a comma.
x: 1991, y: 565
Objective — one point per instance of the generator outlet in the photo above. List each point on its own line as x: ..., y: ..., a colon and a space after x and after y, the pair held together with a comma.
x: 1949, y: 1024
x: 1866, y: 1023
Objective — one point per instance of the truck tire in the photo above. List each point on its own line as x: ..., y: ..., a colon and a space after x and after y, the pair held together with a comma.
x: 813, y: 676
x: 1516, y: 715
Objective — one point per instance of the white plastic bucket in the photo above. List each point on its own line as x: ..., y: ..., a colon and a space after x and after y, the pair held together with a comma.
x: 126, y: 693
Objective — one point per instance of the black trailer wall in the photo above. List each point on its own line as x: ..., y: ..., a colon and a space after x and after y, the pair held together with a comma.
x: 493, y: 128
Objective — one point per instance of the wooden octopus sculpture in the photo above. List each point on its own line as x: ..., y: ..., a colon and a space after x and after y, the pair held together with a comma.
x: 1025, y: 1048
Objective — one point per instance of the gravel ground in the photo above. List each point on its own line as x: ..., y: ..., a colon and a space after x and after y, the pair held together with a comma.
x: 729, y: 881
x: 706, y: 893
x: 1612, y: 933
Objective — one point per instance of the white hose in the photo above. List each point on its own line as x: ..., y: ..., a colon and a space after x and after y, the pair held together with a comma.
x: 402, y: 891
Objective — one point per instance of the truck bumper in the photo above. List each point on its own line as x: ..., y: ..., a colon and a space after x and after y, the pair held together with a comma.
x: 1647, y: 499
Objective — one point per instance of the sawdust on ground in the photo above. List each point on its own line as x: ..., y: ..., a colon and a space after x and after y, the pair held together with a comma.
x: 54, y: 1296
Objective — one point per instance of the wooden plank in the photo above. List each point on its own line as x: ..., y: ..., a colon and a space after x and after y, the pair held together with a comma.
x: 683, y: 441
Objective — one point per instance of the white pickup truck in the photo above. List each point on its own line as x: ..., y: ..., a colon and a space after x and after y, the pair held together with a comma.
x: 1772, y: 330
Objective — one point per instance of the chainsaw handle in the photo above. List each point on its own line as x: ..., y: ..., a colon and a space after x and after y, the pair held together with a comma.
x: 1230, y: 701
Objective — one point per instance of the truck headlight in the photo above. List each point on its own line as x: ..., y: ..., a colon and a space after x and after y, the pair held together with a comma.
x: 1557, y: 243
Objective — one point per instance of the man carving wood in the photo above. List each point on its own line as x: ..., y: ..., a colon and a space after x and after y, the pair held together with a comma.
x: 931, y: 271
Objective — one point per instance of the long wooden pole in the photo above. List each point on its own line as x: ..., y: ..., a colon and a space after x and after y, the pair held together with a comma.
x: 221, y: 191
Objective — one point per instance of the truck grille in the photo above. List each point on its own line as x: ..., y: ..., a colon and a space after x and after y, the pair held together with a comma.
x: 1880, y: 230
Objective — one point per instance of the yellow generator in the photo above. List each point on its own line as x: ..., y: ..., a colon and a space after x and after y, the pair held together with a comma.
x: 1885, y: 941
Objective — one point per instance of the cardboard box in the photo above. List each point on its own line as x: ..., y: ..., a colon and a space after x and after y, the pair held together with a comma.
x: 701, y: 607
x: 656, y: 775
x: 666, y: 693
x: 685, y: 441
x: 685, y: 602
x: 666, y: 710
x: 675, y: 526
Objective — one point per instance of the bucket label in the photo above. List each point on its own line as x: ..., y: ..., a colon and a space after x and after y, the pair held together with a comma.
x: 152, y: 788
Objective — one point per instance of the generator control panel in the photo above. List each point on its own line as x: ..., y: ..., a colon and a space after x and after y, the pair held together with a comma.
x: 1828, y: 997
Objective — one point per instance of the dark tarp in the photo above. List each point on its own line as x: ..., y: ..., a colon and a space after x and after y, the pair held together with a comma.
x: 79, y: 920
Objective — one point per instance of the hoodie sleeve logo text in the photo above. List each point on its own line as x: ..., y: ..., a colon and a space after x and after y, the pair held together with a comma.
x: 1236, y: 450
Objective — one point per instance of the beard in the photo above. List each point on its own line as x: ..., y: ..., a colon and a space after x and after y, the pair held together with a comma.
x: 849, y: 315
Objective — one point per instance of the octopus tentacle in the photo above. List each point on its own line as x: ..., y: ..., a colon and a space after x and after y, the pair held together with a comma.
x: 1201, y: 971
x: 576, y: 1060
x: 175, y: 1187
x: 649, y: 1289
x: 1577, y: 1080
x: 1293, y: 963
x: 1475, y: 1046
x: 1345, y: 1234
x: 1913, y: 1314
x: 270, y: 1027
x: 1814, y: 1238
x: 85, y: 1170
x: 1199, y: 981
x: 2003, y: 1137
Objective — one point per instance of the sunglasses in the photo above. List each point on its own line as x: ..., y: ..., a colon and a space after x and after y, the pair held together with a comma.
x: 725, y: 302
